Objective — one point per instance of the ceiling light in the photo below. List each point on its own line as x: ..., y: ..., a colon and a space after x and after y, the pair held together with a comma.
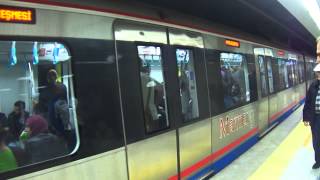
x: 313, y: 9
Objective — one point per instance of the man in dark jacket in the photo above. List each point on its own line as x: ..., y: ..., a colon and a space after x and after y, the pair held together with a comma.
x: 17, y: 119
x: 50, y: 99
x: 311, y: 114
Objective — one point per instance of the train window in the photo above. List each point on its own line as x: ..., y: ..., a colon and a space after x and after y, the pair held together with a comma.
x: 153, y: 88
x: 187, y: 83
x: 301, y: 71
x: 270, y: 74
x: 310, y: 73
x: 296, y: 76
x: 276, y: 75
x: 234, y: 73
x: 36, y: 102
x: 290, y: 71
x: 283, y: 74
x: 307, y: 70
x: 263, y: 76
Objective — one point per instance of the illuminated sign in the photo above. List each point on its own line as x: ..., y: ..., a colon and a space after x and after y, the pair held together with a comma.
x: 10, y: 14
x: 232, y: 43
x: 292, y: 56
x: 258, y: 51
x: 280, y: 53
x: 268, y: 52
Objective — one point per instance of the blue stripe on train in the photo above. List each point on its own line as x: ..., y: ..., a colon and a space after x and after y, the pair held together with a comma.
x: 235, y: 153
x: 227, y: 159
x: 287, y: 114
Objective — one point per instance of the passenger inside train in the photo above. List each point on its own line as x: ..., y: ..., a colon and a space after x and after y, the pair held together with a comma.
x: 234, y: 75
x: 36, y: 79
x: 187, y: 83
x: 40, y: 144
x: 16, y: 120
x: 152, y: 86
x: 7, y: 158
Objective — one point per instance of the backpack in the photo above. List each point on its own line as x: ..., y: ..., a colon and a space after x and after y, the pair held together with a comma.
x: 62, y: 112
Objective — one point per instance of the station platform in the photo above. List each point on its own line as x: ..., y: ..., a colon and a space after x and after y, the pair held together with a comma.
x: 285, y: 153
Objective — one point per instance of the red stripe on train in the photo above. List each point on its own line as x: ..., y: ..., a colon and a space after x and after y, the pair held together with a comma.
x: 188, y: 171
x: 276, y: 115
x: 215, y: 155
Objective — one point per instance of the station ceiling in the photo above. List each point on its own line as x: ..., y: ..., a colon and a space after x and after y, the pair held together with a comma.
x: 268, y: 19
x: 299, y: 9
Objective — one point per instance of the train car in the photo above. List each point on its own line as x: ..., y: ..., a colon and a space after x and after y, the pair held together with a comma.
x: 130, y: 96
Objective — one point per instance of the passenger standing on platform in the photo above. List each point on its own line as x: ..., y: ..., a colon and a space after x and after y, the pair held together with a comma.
x: 311, y: 114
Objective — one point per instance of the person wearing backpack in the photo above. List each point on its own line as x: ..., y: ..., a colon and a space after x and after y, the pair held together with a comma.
x: 53, y: 102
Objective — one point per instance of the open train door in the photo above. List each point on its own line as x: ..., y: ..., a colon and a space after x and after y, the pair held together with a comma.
x: 148, y: 99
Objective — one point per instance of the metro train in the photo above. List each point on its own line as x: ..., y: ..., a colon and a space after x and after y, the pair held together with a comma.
x: 146, y: 98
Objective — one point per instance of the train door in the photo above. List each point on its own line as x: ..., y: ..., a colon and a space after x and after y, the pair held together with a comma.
x: 194, y: 124
x: 148, y: 99
x: 274, y: 86
x: 263, y: 76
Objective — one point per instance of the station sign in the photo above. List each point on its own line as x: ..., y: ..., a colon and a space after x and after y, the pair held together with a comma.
x: 13, y: 14
x: 280, y: 53
x: 232, y: 43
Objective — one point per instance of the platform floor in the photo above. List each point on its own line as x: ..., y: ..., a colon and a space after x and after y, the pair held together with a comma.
x: 286, y: 153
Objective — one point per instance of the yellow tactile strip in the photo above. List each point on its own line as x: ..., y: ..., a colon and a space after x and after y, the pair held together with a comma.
x: 278, y: 161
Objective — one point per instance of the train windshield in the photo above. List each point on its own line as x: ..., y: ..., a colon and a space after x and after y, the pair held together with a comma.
x: 37, y: 104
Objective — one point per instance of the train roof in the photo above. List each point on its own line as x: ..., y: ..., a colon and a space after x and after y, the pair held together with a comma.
x: 267, y: 23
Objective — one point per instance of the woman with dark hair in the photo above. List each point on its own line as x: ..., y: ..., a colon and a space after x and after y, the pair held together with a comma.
x: 7, y: 159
